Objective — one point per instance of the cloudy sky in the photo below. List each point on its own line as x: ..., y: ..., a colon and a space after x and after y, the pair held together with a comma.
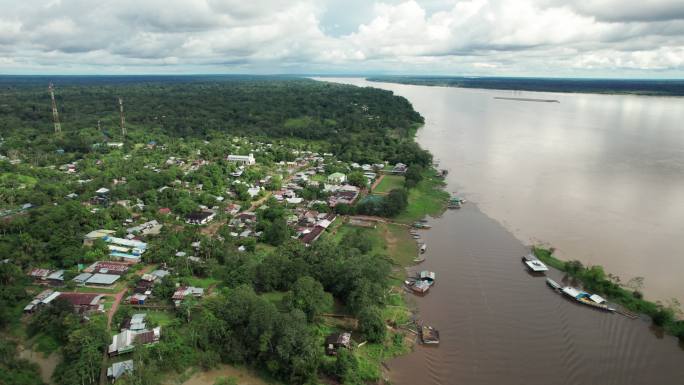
x: 617, y: 38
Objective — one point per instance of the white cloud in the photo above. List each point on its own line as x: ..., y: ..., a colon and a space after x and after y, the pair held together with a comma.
x: 542, y: 37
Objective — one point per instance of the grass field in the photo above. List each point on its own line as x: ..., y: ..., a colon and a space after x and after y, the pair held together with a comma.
x: 201, y: 282
x: 427, y: 198
x: 389, y: 183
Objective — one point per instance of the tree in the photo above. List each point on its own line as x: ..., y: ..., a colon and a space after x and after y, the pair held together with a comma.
x: 413, y: 176
x: 277, y: 232
x: 357, y: 179
x: 346, y: 367
x: 395, y: 202
x: 372, y: 325
x: 308, y: 296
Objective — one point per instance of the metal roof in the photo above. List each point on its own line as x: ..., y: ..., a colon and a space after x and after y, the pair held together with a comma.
x: 103, y: 279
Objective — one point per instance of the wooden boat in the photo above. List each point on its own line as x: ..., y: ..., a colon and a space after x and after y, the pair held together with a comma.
x: 415, y: 236
x: 419, y: 259
x: 553, y: 284
x: 423, y: 248
x: 428, y: 335
x: 417, y: 286
x: 593, y: 300
x: 421, y: 225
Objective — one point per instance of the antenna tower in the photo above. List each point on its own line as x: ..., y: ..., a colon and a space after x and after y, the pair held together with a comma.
x: 123, y: 119
x: 55, y: 115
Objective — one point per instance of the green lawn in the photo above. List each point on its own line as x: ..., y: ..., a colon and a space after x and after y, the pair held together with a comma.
x: 427, y: 198
x: 389, y: 183
x: 201, y: 282
x: 160, y: 318
x: 401, y: 247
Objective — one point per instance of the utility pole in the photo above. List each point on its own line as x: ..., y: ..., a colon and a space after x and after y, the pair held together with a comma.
x: 98, y: 125
x: 123, y: 119
x: 55, y: 115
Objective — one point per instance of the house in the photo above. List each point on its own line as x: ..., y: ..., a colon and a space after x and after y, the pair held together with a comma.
x: 102, y: 279
x: 200, y: 217
x: 118, y: 369
x: 84, y: 302
x: 138, y: 299
x: 148, y: 228
x: 56, y: 278
x: 183, y: 291
x: 39, y: 300
x: 135, y: 322
x: 399, y: 168
x: 160, y: 273
x: 125, y: 341
x: 245, y: 160
x: 39, y: 274
x: 335, y: 341
x: 232, y: 209
x: 107, y: 267
x: 82, y: 278
x: 310, y: 236
x: 164, y: 211
x: 253, y: 191
x: 94, y: 235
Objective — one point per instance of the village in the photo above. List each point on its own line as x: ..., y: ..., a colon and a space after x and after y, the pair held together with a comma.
x: 258, y: 203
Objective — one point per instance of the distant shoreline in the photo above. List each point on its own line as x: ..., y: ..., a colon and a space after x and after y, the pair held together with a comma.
x: 665, y: 88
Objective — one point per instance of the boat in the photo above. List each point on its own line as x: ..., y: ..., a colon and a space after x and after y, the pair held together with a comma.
x: 593, y: 300
x: 415, y: 236
x: 419, y: 259
x: 553, y: 284
x: 417, y: 286
x: 423, y: 248
x: 427, y: 276
x: 455, y: 202
x: 428, y: 335
x: 421, y: 225
x: 534, y: 264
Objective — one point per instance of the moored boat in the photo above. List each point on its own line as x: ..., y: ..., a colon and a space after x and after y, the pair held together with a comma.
x: 455, y: 202
x: 593, y: 300
x: 428, y: 335
x: 423, y: 248
x: 534, y: 264
x: 553, y: 284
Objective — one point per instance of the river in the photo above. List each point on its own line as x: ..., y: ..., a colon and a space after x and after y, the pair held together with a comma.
x: 597, y: 177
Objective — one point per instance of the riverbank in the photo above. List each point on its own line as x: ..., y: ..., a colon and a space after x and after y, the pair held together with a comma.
x: 594, y: 279
x: 493, y: 316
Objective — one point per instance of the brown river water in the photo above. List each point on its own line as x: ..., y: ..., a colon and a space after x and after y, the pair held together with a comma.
x: 596, y: 176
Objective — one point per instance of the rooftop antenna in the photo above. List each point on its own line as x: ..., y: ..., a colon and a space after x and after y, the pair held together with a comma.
x: 55, y: 115
x: 123, y: 119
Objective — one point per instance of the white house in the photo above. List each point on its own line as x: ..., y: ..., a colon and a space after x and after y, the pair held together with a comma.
x: 246, y: 160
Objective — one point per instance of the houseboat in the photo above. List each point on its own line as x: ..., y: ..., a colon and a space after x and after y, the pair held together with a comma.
x: 428, y: 335
x: 593, y: 300
x: 534, y: 264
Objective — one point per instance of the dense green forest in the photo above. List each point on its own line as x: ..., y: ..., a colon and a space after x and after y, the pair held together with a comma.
x: 361, y: 124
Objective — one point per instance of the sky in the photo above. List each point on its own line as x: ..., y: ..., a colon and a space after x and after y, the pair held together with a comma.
x: 550, y: 38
